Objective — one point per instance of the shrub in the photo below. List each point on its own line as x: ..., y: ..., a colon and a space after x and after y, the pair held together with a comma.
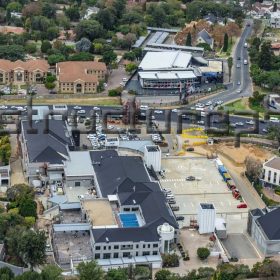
x: 170, y: 260
x: 115, y: 92
x: 203, y: 253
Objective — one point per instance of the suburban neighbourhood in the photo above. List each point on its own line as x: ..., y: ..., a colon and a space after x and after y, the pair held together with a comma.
x: 139, y: 140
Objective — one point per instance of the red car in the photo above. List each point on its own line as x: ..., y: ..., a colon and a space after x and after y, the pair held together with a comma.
x: 242, y: 205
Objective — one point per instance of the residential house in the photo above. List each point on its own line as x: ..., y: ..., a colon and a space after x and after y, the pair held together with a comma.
x: 261, y: 9
x: 271, y: 172
x: 274, y: 20
x: 275, y: 47
x: 264, y: 228
x: 22, y: 72
x: 67, y: 35
x: 204, y: 37
x: 80, y: 76
x: 91, y: 11
x: 12, y: 30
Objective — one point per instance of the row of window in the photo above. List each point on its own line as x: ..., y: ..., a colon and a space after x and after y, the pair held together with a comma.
x: 128, y: 246
x: 274, y: 176
x: 122, y: 255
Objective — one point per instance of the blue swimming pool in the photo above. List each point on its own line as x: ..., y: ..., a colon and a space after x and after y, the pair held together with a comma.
x: 129, y: 220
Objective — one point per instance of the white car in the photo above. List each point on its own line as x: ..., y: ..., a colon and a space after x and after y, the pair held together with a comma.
x: 158, y: 112
x: 77, y: 107
x: 124, y: 80
x: 81, y: 112
x: 200, y: 122
x: 143, y: 107
x: 250, y: 122
x: 3, y: 107
x: 153, y: 117
x: 96, y: 108
x: 239, y: 123
x: 174, y: 110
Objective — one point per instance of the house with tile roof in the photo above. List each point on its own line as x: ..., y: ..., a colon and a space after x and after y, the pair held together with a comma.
x: 80, y: 76
x: 204, y: 37
x: 22, y: 72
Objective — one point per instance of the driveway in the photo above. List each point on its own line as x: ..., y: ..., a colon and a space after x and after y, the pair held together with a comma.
x: 239, y: 246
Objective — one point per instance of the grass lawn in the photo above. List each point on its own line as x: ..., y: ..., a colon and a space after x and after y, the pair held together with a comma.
x: 101, y: 101
x: 240, y: 104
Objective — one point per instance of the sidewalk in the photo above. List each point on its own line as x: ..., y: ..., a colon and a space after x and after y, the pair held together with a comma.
x: 268, y: 192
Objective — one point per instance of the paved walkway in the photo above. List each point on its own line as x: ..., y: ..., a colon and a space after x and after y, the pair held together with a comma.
x: 268, y: 192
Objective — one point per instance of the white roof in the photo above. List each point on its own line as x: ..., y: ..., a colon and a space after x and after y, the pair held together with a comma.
x: 275, y: 14
x: 79, y: 164
x: 165, y: 60
x: 174, y: 75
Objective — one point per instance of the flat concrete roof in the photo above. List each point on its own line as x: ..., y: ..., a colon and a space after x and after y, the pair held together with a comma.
x: 213, y: 66
x: 170, y: 75
x: 99, y: 212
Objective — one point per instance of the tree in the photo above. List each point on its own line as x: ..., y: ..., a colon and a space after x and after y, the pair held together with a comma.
x: 31, y: 48
x: 90, y: 29
x: 18, y: 192
x: 275, y: 7
x: 230, y: 63
x: 13, y: 52
x: 106, y: 18
x: 109, y: 57
x: 14, y: 7
x: 32, y: 246
x: 73, y: 13
x: 90, y: 271
x: 129, y: 56
x: 203, y: 253
x: 189, y: 39
x: 51, y: 272
x: 225, y: 46
x: 130, y: 67
x: 29, y: 275
x: 117, y: 274
x: 163, y: 274
x: 128, y: 40
x: 6, y: 273
x: 46, y: 46
x: 49, y: 10
x: 55, y: 58
x: 52, y: 33
x: 170, y: 260
x: 141, y: 273
x: 205, y: 46
x: 28, y: 208
x: 83, y: 45
x: 266, y: 56
x: 274, y: 133
x: 82, y: 56
x: 32, y: 9
x: 253, y: 168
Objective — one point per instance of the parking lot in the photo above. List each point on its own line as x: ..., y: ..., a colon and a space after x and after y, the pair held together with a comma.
x: 208, y: 187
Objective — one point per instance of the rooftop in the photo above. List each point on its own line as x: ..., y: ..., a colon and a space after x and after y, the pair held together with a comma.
x: 273, y: 163
x: 71, y: 71
x: 30, y: 65
x: 269, y: 225
x: 165, y: 60
x: 50, y: 146
x: 207, y: 206
x: 174, y: 75
x: 205, y: 36
x: 99, y: 212
x: 73, y: 166
x: 153, y: 148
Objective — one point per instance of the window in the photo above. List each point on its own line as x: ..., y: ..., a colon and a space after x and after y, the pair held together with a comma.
x: 149, y: 245
x: 97, y: 248
x: 109, y: 248
x: 77, y: 184
x: 155, y: 245
x: 126, y: 209
x: 104, y: 248
x: 116, y: 255
x: 126, y: 254
x: 116, y: 247
x: 97, y: 256
x: 155, y: 253
x: 144, y: 246
x: 106, y: 256
x: 146, y: 253
x: 137, y: 246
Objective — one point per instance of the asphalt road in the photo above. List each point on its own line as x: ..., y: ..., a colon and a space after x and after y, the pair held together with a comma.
x: 241, y: 74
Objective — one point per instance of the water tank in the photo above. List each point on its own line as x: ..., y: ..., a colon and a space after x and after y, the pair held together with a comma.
x: 206, y: 218
x: 167, y: 233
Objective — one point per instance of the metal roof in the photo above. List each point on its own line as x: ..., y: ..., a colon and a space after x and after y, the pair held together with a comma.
x: 176, y: 47
x: 166, y: 60
x: 135, y: 145
x: 71, y: 227
x: 174, y: 75
x: 79, y: 164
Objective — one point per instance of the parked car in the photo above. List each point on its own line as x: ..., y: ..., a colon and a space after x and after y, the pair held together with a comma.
x: 250, y: 122
x: 190, y: 178
x: 191, y: 149
x: 77, y: 107
x: 242, y: 205
x: 180, y: 218
x: 175, y: 208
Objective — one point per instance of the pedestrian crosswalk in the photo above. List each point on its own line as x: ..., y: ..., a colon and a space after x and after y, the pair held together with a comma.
x: 173, y: 180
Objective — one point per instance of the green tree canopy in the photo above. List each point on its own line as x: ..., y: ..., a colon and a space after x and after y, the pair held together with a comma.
x: 90, y: 271
x: 90, y: 29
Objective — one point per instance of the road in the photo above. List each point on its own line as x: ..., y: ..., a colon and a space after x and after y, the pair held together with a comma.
x: 241, y: 74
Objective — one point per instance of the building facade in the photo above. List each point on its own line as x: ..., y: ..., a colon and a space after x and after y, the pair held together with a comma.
x: 271, y: 172
x: 22, y: 72
x: 274, y: 19
x: 80, y: 77
x: 264, y: 230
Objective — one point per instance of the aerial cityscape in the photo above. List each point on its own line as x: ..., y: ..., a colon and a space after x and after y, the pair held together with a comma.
x: 140, y: 140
